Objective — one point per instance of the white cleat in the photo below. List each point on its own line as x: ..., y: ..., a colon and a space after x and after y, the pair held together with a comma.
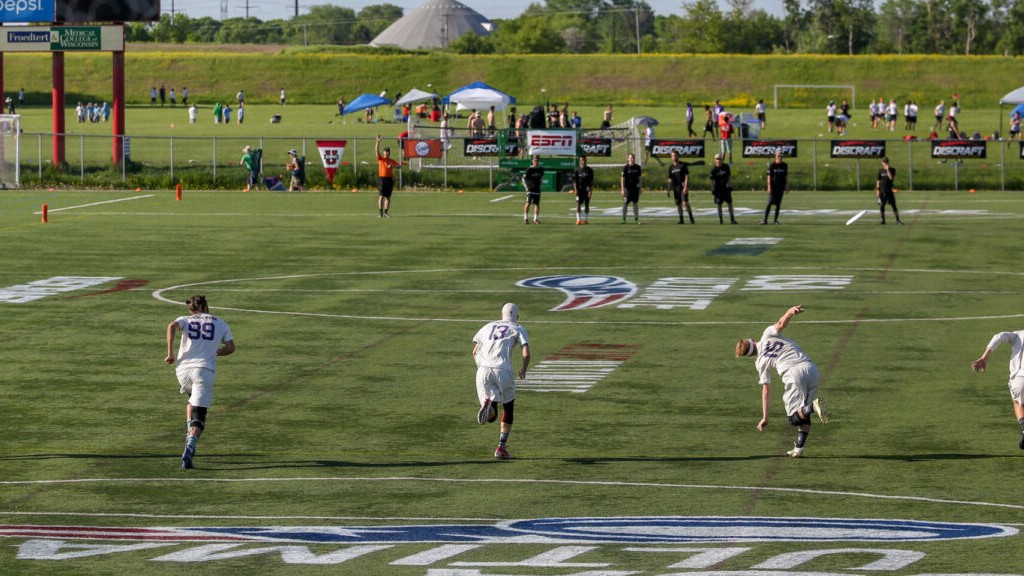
x: 484, y: 413
x: 820, y: 411
x: 795, y: 452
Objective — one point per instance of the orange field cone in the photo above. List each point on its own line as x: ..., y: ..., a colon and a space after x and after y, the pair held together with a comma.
x: 177, y: 192
x: 46, y: 213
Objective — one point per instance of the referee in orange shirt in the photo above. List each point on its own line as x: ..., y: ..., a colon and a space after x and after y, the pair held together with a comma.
x: 386, y: 179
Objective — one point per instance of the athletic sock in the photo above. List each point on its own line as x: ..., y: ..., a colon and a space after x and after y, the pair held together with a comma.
x: 801, y: 438
x: 502, y: 439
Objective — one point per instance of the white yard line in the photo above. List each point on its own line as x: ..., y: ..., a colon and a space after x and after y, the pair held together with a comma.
x: 52, y: 210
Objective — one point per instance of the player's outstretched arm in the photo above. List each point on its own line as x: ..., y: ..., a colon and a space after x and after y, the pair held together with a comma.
x: 981, y: 363
x: 784, y: 321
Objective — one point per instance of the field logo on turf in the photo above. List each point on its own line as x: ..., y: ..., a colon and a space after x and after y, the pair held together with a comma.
x: 584, y: 292
x: 697, y: 541
x: 39, y: 289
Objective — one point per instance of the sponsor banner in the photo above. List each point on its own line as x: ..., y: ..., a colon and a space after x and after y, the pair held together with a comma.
x: 958, y: 149
x: 331, y: 152
x: 595, y: 146
x: 767, y: 148
x: 488, y: 147
x: 26, y: 11
x: 858, y: 148
x: 551, y: 142
x: 62, y: 39
x: 685, y: 148
x: 423, y: 148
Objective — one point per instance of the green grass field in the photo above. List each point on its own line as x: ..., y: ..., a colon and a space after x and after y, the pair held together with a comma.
x: 350, y: 405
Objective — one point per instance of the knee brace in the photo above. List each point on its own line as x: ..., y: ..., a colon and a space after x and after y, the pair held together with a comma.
x: 796, y: 420
x: 198, y: 418
x: 508, y: 410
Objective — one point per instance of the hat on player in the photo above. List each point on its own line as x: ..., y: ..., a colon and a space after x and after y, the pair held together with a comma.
x: 510, y: 312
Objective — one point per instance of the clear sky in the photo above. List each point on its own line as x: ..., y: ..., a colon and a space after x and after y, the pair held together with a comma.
x: 493, y: 9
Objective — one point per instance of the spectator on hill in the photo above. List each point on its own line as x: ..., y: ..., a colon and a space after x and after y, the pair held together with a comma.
x: 606, y: 121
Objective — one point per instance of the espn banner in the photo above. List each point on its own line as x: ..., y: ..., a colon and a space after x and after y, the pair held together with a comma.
x: 958, y: 149
x: 858, y: 148
x: 595, y: 146
x: 685, y: 148
x: 423, y: 149
x: 551, y: 142
x: 488, y: 147
x: 768, y: 148
x: 330, y: 154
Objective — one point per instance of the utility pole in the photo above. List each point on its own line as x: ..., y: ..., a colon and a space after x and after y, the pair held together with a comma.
x: 636, y: 17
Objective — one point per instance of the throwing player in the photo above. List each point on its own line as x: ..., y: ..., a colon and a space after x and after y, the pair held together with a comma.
x: 583, y: 187
x: 799, y: 377
x: 495, y: 382
x: 1016, y: 383
x: 679, y: 182
x: 203, y: 338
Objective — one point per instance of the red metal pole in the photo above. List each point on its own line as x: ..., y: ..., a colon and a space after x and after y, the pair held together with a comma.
x: 118, y: 108
x: 58, y: 109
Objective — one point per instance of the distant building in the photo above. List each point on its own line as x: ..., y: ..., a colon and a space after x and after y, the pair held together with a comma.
x: 435, y: 24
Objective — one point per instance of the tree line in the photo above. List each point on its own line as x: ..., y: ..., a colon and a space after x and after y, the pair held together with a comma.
x: 965, y: 27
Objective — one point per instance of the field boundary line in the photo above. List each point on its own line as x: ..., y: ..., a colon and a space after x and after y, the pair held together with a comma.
x: 609, y: 483
x: 52, y: 210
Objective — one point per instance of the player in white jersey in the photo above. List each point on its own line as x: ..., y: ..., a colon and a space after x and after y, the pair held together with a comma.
x: 799, y: 378
x: 203, y: 338
x: 495, y: 382
x: 1016, y: 383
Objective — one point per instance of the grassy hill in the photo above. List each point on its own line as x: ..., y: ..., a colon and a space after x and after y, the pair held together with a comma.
x: 320, y: 76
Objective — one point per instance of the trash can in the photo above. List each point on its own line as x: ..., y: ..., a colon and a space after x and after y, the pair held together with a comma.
x: 550, y: 182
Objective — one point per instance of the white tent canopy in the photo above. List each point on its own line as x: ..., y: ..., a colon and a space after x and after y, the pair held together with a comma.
x: 481, y: 99
x: 1015, y: 97
x: 415, y: 95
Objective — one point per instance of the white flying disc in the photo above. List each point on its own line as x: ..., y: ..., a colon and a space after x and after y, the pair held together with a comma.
x: 856, y: 217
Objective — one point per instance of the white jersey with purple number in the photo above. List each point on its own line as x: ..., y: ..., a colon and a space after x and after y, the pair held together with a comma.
x: 201, y: 337
x: 778, y: 352
x: 1016, y: 342
x: 495, y: 342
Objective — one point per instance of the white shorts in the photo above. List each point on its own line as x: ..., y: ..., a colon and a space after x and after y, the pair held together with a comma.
x: 1017, y: 390
x: 495, y: 383
x: 801, y: 387
x: 198, y: 384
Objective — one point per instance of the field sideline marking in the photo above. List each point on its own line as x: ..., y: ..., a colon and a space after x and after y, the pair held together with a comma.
x: 52, y: 210
x: 503, y: 198
x: 610, y: 483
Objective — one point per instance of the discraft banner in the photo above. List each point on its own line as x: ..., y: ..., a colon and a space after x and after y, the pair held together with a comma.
x: 768, y: 148
x: 958, y: 149
x: 858, y: 148
x: 685, y: 148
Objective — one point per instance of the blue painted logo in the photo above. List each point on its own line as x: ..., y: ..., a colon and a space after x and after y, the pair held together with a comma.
x: 584, y: 292
x: 615, y: 530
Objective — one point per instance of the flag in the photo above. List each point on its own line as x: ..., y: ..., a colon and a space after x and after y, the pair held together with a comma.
x: 330, y: 154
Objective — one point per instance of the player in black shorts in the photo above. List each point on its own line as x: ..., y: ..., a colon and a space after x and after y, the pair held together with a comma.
x: 532, y: 179
x: 679, y: 182
x: 721, y: 187
x: 583, y: 187
x: 885, y: 191
x: 778, y: 172
x: 632, y: 181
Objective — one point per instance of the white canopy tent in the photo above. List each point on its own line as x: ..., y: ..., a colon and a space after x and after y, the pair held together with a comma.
x: 415, y: 95
x: 481, y: 99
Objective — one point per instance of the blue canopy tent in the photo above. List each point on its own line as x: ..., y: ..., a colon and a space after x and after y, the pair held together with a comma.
x: 363, y: 102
